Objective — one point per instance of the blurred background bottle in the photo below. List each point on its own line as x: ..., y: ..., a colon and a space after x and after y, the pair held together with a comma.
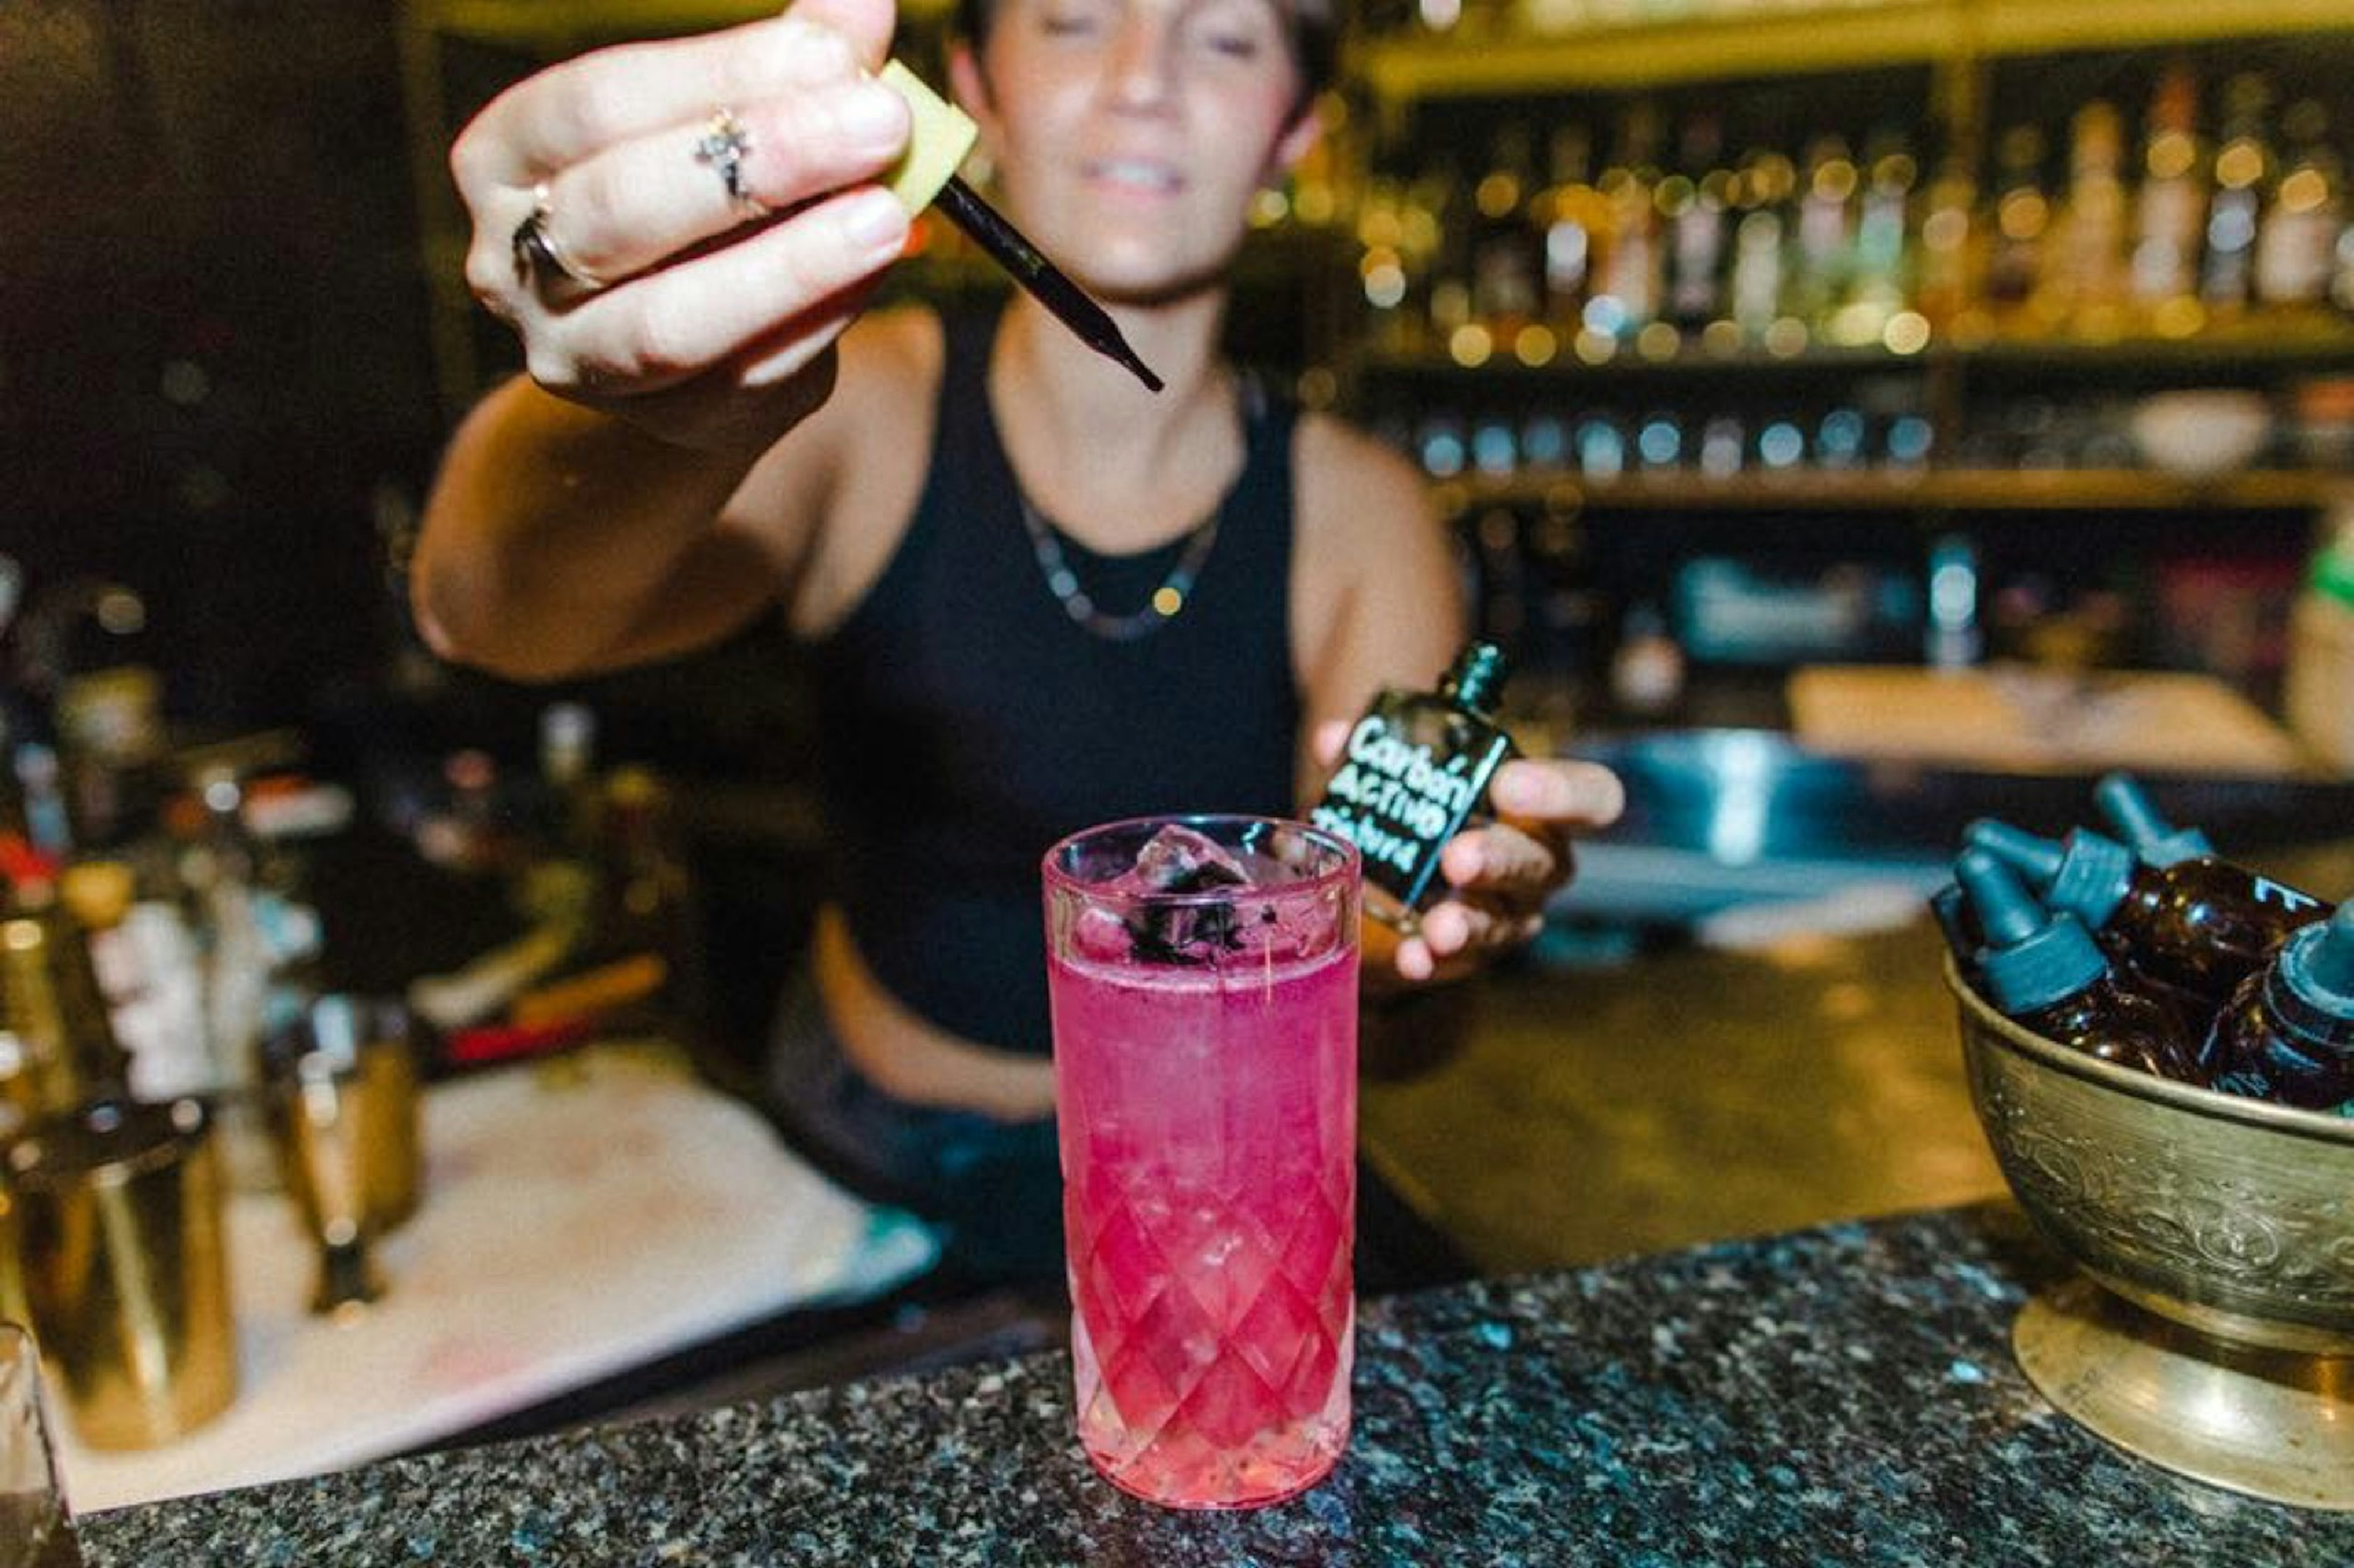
x: 2242, y: 170
x: 2170, y: 206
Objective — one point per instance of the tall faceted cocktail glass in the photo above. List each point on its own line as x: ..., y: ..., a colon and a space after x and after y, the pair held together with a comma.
x: 1204, y: 977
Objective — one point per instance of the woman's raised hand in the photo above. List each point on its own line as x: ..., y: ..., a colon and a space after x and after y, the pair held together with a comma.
x: 679, y: 230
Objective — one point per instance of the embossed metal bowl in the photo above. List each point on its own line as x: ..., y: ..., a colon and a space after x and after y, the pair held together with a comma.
x: 2214, y: 1330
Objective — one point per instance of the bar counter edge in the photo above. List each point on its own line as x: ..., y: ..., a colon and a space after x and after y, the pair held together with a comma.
x: 1840, y: 1395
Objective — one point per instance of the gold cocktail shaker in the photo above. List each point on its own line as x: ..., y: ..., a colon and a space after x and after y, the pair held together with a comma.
x: 117, y: 1210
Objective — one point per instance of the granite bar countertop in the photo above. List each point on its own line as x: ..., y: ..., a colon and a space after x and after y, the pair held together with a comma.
x: 1839, y: 1396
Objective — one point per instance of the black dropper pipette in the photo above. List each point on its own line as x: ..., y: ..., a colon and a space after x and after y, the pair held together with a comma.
x: 1068, y: 301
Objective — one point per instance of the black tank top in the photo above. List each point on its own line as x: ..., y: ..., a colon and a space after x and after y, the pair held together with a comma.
x: 968, y: 722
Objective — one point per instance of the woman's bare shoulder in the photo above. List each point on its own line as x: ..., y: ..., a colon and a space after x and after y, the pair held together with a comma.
x: 1377, y: 597
x: 876, y: 429
x: 1348, y: 482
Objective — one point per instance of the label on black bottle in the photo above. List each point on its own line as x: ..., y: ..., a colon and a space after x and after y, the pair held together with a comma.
x: 1399, y: 800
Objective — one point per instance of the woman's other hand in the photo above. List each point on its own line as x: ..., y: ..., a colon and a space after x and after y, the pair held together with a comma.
x: 679, y: 230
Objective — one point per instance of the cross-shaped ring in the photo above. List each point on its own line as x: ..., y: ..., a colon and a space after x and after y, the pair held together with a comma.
x: 724, y: 146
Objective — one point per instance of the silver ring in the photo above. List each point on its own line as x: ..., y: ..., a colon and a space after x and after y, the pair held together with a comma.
x: 724, y: 146
x: 538, y: 258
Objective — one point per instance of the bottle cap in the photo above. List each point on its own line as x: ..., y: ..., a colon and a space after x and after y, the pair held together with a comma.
x: 2033, y: 957
x: 2155, y: 841
x: 2086, y: 873
x: 2312, y: 983
x: 1476, y: 679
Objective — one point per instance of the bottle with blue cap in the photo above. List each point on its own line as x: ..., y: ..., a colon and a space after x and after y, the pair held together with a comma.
x: 1950, y: 906
x: 2288, y: 1033
x: 2195, y: 923
x: 2044, y: 970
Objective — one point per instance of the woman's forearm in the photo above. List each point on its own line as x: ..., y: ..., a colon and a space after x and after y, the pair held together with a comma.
x: 553, y: 530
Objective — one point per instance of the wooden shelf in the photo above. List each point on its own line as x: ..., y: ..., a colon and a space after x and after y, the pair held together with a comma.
x: 1754, y: 39
x: 2288, y: 341
x: 1929, y: 490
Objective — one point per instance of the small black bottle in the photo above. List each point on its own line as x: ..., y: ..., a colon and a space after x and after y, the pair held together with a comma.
x: 1415, y: 767
x: 2044, y: 971
x: 2288, y: 1031
x: 2197, y: 923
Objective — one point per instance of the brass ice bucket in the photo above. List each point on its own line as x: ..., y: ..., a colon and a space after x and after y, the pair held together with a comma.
x: 2213, y: 1330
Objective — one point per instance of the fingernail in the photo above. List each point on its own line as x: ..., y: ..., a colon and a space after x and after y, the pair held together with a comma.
x: 873, y: 221
x: 873, y: 118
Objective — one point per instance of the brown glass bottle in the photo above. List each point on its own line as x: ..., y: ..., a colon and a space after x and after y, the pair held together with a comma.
x: 1416, y: 765
x: 2287, y: 1034
x: 2044, y: 971
x: 2242, y: 912
x: 2200, y: 924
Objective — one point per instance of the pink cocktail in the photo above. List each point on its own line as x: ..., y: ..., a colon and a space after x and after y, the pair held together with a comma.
x: 1205, y: 1053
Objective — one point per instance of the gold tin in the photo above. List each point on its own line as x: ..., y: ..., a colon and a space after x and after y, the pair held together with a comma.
x: 346, y: 1072
x: 2212, y: 1332
x: 119, y: 1223
x: 343, y: 1091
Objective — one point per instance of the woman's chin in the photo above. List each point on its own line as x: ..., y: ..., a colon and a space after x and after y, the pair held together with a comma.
x: 1150, y: 278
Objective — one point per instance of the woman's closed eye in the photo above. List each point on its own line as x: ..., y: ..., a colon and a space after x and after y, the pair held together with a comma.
x: 1234, y: 29
x: 1072, y: 20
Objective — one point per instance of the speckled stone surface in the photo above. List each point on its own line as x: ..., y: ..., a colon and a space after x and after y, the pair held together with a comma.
x: 1841, y: 1395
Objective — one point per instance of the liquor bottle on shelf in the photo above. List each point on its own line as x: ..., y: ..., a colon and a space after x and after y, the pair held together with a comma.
x: 1600, y: 445
x: 2243, y: 165
x: 1876, y: 291
x: 2287, y: 1033
x: 2342, y: 276
x: 1506, y: 253
x: 2044, y: 971
x: 1390, y: 266
x: 1693, y: 204
x: 2296, y: 239
x: 1573, y: 221
x: 1760, y: 230
x: 1825, y: 237
x: 2171, y: 205
x: 1446, y: 294
x: 2083, y: 282
x: 1626, y: 290
x: 1945, y: 285
x: 2022, y: 217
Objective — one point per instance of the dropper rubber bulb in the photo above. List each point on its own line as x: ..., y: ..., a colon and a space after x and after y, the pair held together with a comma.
x: 2034, y: 856
x: 2007, y: 913
x: 2157, y: 840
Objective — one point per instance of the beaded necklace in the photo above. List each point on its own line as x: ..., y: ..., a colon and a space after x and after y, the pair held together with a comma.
x: 1163, y: 606
x: 1166, y: 601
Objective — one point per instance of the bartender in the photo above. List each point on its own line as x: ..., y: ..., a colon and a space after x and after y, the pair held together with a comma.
x: 1035, y: 594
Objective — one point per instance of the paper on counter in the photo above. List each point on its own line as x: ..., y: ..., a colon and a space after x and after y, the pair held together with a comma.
x: 580, y: 1217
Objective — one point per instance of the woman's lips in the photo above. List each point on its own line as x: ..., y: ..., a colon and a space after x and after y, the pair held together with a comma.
x: 1149, y: 176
